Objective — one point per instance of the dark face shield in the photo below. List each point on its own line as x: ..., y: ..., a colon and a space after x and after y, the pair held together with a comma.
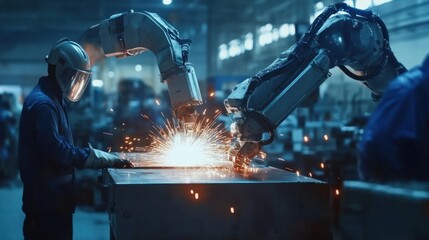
x: 76, y: 85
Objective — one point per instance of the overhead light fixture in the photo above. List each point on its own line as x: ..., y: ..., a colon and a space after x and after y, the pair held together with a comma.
x: 167, y: 2
x: 138, y: 68
x: 97, y: 83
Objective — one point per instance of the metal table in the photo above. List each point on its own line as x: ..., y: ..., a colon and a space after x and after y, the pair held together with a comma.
x: 215, y: 203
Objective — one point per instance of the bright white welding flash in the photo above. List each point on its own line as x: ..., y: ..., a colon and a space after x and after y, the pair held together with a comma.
x: 202, y: 147
x: 186, y: 151
x: 234, y: 128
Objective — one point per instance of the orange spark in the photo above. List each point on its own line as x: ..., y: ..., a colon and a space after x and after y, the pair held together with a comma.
x: 297, y: 173
x: 232, y: 209
x: 306, y: 139
x: 325, y: 137
x: 311, y: 175
x: 192, y: 191
x: 337, y: 192
x: 322, y: 165
x: 197, y: 196
x: 212, y: 94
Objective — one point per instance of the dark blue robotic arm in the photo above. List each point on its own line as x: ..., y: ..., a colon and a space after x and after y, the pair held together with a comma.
x: 340, y: 36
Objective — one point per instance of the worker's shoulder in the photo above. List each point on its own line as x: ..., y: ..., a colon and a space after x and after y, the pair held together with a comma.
x: 38, y: 99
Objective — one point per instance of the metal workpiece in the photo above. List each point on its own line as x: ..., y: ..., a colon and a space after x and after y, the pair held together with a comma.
x: 216, y: 203
x: 153, y: 160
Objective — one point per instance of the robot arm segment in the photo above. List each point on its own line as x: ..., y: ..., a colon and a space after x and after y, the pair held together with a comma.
x: 128, y: 34
x: 357, y: 39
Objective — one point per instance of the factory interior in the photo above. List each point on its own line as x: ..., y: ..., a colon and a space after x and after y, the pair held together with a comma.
x: 242, y: 119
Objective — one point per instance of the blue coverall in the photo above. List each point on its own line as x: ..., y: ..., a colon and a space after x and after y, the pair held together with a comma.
x: 47, y: 161
x: 395, y: 144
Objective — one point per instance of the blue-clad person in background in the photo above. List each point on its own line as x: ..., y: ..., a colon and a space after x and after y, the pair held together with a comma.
x: 395, y: 144
x: 46, y: 153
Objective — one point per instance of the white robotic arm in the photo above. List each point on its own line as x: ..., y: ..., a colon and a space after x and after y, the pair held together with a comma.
x: 354, y: 38
x: 130, y: 33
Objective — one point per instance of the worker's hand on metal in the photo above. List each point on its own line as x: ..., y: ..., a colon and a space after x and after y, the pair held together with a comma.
x: 99, y: 159
x: 124, y: 164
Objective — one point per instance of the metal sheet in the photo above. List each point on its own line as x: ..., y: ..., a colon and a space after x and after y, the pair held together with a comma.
x: 216, y: 203
x: 149, y: 160
x: 204, y: 175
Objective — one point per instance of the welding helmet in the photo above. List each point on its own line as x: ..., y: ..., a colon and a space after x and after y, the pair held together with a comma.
x: 72, y: 68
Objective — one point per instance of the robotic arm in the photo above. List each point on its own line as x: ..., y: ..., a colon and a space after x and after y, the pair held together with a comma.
x: 355, y: 38
x: 128, y: 34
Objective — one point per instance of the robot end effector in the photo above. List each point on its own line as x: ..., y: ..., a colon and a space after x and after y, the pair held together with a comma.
x: 127, y: 34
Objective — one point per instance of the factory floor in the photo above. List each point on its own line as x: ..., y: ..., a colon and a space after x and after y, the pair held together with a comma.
x: 88, y: 223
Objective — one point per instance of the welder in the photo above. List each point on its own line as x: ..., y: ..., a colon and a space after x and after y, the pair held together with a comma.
x: 46, y: 153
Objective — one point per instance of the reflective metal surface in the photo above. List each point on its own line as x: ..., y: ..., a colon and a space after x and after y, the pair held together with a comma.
x: 204, y: 175
x: 150, y: 160
x: 215, y: 203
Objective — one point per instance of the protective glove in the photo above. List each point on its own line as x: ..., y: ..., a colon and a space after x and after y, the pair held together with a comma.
x: 99, y: 159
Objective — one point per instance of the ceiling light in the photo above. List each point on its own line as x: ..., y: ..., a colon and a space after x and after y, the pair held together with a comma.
x: 138, y: 68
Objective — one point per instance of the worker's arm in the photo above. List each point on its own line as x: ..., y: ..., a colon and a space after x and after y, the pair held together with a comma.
x: 51, y: 144
x: 54, y: 147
